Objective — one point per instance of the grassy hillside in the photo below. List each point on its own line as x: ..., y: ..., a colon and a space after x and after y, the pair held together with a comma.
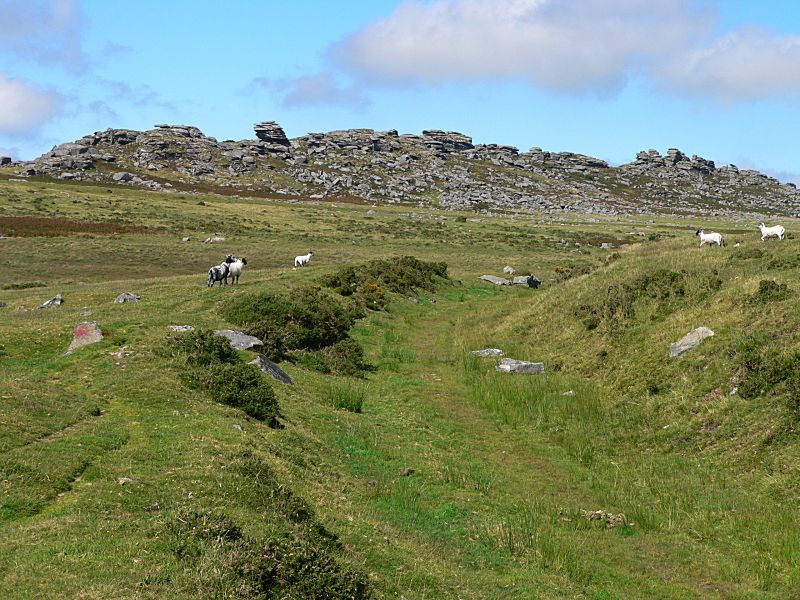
x: 429, y: 474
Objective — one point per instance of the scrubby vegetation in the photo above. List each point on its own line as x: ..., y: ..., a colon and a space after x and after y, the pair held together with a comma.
x: 214, y: 368
x: 368, y: 283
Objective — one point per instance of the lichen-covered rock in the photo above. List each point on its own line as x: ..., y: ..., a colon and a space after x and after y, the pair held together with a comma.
x: 85, y: 333
x: 510, y: 365
x: 689, y: 341
x: 238, y: 339
x: 271, y: 369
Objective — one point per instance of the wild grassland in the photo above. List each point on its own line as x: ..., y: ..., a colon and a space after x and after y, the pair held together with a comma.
x: 431, y: 475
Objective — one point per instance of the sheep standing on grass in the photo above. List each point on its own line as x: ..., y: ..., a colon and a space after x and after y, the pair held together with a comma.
x: 302, y: 260
x: 709, y: 238
x: 221, y: 271
x: 777, y: 231
x: 236, y: 268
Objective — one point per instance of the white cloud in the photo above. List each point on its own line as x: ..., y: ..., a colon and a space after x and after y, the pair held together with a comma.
x: 557, y: 45
x: 315, y: 90
x: 747, y: 64
x: 47, y: 31
x: 24, y: 106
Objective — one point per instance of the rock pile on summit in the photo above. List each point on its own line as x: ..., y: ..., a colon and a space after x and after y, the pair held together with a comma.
x: 438, y: 167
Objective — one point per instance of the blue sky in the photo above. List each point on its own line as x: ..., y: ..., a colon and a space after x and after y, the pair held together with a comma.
x: 601, y: 77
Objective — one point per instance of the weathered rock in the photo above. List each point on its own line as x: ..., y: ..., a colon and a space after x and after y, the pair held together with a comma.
x: 495, y: 280
x: 487, y: 352
x: 530, y: 281
x: 85, y: 333
x: 510, y: 365
x: 271, y: 369
x: 239, y: 340
x: 122, y: 176
x: 689, y: 341
x: 124, y: 480
x: 509, y: 270
x: 56, y: 300
x: 214, y: 240
x: 184, y: 239
x: 271, y: 132
x: 180, y: 328
x: 127, y: 297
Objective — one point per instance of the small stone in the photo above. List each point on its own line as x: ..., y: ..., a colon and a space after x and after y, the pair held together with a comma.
x: 86, y: 313
x: 689, y: 341
x: 495, y: 280
x: 238, y: 339
x: 124, y: 480
x: 487, y: 352
x: 569, y: 393
x: 56, y: 300
x: 85, y: 333
x: 180, y: 328
x: 508, y: 270
x: 406, y: 472
x: 127, y: 297
x: 530, y: 281
x: 510, y: 365
x: 214, y: 240
x: 184, y: 239
x: 238, y: 427
x: 271, y: 369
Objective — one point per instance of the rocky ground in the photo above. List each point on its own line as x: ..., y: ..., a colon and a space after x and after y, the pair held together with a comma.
x: 436, y: 168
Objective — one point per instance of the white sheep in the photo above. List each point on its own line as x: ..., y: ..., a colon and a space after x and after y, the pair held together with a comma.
x: 710, y: 238
x: 302, y: 261
x: 777, y: 231
x: 236, y: 268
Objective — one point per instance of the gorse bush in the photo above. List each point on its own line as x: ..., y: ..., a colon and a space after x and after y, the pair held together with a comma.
x: 369, y: 282
x: 770, y: 291
x: 309, y: 319
x: 213, y: 367
x: 345, y: 357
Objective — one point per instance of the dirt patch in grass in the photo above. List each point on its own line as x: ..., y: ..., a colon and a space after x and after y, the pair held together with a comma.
x: 52, y: 227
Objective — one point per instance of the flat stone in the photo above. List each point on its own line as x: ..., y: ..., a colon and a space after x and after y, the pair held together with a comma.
x: 56, y: 300
x: 689, y: 341
x: 85, y: 333
x: 124, y: 480
x: 510, y: 365
x: 487, y: 352
x: 184, y: 239
x: 239, y: 340
x: 180, y: 328
x: 271, y: 369
x: 214, y: 240
x: 127, y: 297
x: 495, y: 280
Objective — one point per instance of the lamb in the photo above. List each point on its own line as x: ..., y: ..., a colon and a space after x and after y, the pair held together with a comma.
x: 220, y: 272
x: 710, y: 238
x: 777, y: 231
x: 302, y: 261
x: 235, y: 269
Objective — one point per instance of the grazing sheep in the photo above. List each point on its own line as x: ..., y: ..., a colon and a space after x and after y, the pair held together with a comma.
x: 777, y: 231
x: 710, y: 238
x: 236, y: 268
x: 220, y: 272
x: 302, y: 261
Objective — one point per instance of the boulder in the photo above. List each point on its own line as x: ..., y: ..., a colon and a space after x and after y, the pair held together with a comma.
x: 239, y: 340
x: 495, y: 280
x: 85, y: 333
x: 127, y: 297
x: 510, y: 365
x: 487, y: 352
x: 689, y: 341
x: 56, y: 300
x: 121, y: 176
x: 271, y: 369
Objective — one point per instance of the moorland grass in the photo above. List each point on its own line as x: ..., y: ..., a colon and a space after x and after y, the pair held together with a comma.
x: 454, y: 481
